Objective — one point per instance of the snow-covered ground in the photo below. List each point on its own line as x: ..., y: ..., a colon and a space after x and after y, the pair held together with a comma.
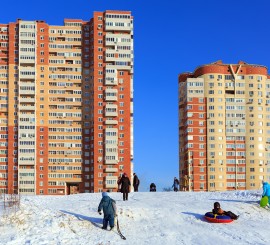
x: 165, y: 218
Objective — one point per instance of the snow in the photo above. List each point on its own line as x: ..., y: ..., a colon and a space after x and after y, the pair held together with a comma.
x: 164, y: 218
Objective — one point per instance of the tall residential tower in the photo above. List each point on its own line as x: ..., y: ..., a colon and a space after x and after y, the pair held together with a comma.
x: 66, y: 104
x: 224, y: 119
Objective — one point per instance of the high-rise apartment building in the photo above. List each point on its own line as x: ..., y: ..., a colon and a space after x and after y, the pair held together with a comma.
x: 66, y: 104
x: 224, y: 119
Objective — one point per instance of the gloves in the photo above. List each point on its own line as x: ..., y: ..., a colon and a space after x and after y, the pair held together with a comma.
x: 99, y: 212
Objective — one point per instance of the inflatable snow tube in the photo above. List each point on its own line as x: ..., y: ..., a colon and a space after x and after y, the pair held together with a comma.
x: 217, y: 218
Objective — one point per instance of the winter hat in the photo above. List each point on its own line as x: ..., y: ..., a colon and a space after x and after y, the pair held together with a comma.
x: 216, y: 205
x: 104, y: 194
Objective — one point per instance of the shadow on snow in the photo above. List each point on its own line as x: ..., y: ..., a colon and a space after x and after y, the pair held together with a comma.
x: 95, y: 221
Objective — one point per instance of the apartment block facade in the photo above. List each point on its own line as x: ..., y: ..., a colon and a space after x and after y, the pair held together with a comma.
x: 224, y: 134
x: 66, y: 104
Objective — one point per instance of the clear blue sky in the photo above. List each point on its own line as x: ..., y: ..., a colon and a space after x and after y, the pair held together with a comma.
x: 170, y: 37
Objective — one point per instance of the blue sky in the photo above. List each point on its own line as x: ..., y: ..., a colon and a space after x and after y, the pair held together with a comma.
x: 170, y: 37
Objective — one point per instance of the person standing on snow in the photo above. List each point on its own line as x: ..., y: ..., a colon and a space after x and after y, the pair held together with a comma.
x: 266, y: 190
x: 175, y: 185
x: 153, y: 187
x: 185, y: 182
x: 119, y: 184
x: 125, y: 186
x: 108, y: 206
x: 136, y: 182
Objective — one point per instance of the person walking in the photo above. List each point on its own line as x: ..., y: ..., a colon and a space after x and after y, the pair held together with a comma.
x: 185, y: 182
x: 125, y: 186
x: 136, y: 182
x: 175, y: 185
x: 119, y: 184
x: 108, y: 206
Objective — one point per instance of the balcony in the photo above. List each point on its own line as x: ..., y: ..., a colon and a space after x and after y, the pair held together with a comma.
x: 111, y: 111
x: 26, y: 91
x: 120, y: 67
x: 111, y: 181
x: 111, y: 81
x: 110, y: 95
x: 27, y: 61
x: 110, y: 43
x: 111, y: 170
x: 111, y: 161
x: 119, y: 28
x: 29, y: 99
x: 111, y: 122
x: 27, y: 108
x: 26, y: 162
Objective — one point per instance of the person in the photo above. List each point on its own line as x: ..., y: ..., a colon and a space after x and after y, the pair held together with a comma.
x: 266, y: 190
x: 108, y: 205
x: 153, y: 187
x: 217, y: 210
x: 125, y: 186
x: 136, y: 182
x: 185, y: 182
x: 175, y: 185
x: 119, y: 184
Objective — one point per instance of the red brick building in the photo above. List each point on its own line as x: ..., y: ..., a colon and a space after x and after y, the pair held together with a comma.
x: 66, y: 104
x: 224, y: 136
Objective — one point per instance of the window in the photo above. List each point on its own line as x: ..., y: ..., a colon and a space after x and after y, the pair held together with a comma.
x: 201, y: 100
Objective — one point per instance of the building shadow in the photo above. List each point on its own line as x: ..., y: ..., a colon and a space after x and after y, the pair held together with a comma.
x: 97, y: 222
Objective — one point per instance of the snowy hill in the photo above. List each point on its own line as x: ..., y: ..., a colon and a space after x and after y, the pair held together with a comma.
x: 147, y: 218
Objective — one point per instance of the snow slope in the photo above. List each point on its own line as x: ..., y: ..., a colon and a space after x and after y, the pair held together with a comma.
x: 147, y: 218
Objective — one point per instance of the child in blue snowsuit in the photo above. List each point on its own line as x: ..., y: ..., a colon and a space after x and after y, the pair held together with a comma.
x: 266, y: 191
x: 108, y: 206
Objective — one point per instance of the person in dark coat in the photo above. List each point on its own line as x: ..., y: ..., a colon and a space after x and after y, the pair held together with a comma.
x: 108, y: 206
x: 119, y: 184
x: 217, y: 210
x: 136, y: 182
x: 153, y: 187
x: 125, y: 186
x: 175, y: 185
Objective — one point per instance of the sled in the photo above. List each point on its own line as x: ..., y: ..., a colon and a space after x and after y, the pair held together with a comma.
x: 209, y: 216
x: 264, y: 201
